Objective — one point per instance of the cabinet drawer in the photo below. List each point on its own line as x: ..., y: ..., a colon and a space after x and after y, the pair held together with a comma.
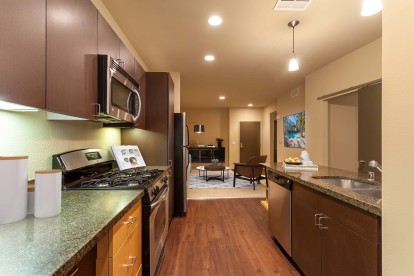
x: 123, y: 228
x: 135, y: 248
x: 139, y: 273
x: 119, y: 263
x: 128, y: 258
x: 362, y: 222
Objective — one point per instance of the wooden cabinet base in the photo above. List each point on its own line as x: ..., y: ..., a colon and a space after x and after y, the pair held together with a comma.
x: 330, y: 237
x: 120, y: 250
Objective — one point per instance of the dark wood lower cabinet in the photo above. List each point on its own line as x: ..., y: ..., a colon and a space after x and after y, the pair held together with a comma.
x: 306, y: 238
x: 344, y: 252
x: 330, y: 237
x: 204, y: 155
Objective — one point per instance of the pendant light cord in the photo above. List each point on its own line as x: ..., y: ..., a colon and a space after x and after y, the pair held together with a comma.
x: 293, y: 39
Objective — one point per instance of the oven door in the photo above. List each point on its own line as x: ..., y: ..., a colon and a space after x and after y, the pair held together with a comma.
x: 158, y: 226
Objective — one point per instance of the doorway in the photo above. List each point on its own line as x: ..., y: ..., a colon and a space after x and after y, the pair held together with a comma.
x: 249, y: 140
x: 354, y: 128
x: 275, y: 140
x: 369, y: 126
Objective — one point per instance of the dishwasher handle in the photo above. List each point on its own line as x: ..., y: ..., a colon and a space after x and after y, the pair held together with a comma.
x: 280, y: 180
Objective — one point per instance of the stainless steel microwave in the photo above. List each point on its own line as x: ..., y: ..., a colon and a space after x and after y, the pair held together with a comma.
x: 118, y: 93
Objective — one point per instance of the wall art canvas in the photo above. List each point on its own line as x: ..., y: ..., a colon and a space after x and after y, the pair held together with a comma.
x: 294, y: 130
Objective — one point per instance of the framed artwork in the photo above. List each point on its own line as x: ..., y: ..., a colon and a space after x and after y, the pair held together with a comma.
x: 294, y: 130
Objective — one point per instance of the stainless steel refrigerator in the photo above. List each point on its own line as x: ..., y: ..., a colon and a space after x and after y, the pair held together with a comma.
x: 182, y: 164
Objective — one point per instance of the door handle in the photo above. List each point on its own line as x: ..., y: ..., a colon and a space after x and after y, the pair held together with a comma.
x: 320, y: 222
x: 241, y: 145
x: 361, y: 162
x: 317, y: 218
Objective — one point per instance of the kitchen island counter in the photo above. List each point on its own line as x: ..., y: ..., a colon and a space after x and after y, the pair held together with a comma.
x: 53, y: 246
x: 370, y: 204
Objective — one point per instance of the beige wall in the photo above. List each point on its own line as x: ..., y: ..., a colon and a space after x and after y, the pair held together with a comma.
x: 287, y: 105
x: 216, y: 123
x: 343, y: 132
x: 30, y: 133
x: 397, y: 133
x: 269, y: 115
x: 355, y: 68
x: 237, y: 115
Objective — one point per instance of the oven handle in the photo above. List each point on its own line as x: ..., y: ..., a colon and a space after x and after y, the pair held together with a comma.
x: 160, y: 198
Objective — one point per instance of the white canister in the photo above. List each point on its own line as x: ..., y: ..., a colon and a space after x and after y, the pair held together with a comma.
x: 48, y: 193
x: 13, y: 188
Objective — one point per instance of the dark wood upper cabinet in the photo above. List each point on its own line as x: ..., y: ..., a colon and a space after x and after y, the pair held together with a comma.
x: 71, y: 86
x: 108, y: 41
x: 157, y: 141
x: 127, y: 59
x: 22, y: 52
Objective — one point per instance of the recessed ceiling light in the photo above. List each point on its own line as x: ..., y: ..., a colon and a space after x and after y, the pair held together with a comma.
x: 222, y: 97
x: 209, y: 58
x: 215, y: 20
x: 250, y: 105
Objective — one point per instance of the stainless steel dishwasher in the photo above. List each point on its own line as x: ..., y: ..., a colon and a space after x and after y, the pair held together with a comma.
x: 280, y: 189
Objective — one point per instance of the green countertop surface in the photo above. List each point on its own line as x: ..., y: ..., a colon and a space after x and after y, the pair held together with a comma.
x: 52, y: 246
x: 369, y: 204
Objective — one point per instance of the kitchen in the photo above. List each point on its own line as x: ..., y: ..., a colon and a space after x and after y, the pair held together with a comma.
x: 392, y: 63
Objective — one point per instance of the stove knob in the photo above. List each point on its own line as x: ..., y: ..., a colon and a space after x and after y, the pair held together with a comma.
x: 157, y: 189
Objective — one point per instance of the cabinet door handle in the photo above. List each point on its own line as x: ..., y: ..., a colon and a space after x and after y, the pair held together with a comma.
x: 121, y: 63
x: 97, y: 111
x: 134, y: 258
x: 75, y: 271
x: 320, y: 222
x: 131, y: 222
x: 316, y: 219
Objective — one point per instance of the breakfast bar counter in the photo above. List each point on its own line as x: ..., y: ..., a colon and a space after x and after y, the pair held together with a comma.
x: 367, y: 203
x: 53, y: 246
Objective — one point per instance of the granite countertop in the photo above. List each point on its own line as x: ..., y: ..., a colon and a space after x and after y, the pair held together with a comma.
x: 54, y: 245
x: 370, y: 204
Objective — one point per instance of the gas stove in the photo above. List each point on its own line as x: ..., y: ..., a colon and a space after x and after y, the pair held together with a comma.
x: 116, y: 179
x: 95, y: 169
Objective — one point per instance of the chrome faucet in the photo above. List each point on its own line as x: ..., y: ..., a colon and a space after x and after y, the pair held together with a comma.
x: 375, y: 164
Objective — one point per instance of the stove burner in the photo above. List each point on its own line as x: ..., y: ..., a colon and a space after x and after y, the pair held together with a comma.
x: 127, y: 178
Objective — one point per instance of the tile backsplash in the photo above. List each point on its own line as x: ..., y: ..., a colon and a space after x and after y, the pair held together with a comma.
x: 32, y: 134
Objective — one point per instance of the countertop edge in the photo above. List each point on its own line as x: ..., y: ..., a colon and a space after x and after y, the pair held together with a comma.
x: 336, y: 194
x: 72, y: 261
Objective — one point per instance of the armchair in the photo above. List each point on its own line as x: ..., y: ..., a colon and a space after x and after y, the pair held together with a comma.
x: 252, y: 170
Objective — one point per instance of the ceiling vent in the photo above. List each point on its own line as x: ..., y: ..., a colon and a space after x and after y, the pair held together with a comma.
x: 292, y: 5
x: 294, y: 93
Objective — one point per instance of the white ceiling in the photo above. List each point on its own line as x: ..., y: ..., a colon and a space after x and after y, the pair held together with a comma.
x: 252, y: 46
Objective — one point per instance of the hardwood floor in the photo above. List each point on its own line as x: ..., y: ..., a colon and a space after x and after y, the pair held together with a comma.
x: 223, y: 237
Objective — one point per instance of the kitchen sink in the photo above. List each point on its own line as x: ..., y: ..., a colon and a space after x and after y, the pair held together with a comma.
x: 354, y: 185
x: 374, y: 192
x: 346, y: 183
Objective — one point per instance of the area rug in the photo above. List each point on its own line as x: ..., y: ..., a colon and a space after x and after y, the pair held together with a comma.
x: 196, y: 181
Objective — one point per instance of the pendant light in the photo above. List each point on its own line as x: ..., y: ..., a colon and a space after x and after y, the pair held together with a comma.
x: 293, y: 63
x: 371, y: 7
